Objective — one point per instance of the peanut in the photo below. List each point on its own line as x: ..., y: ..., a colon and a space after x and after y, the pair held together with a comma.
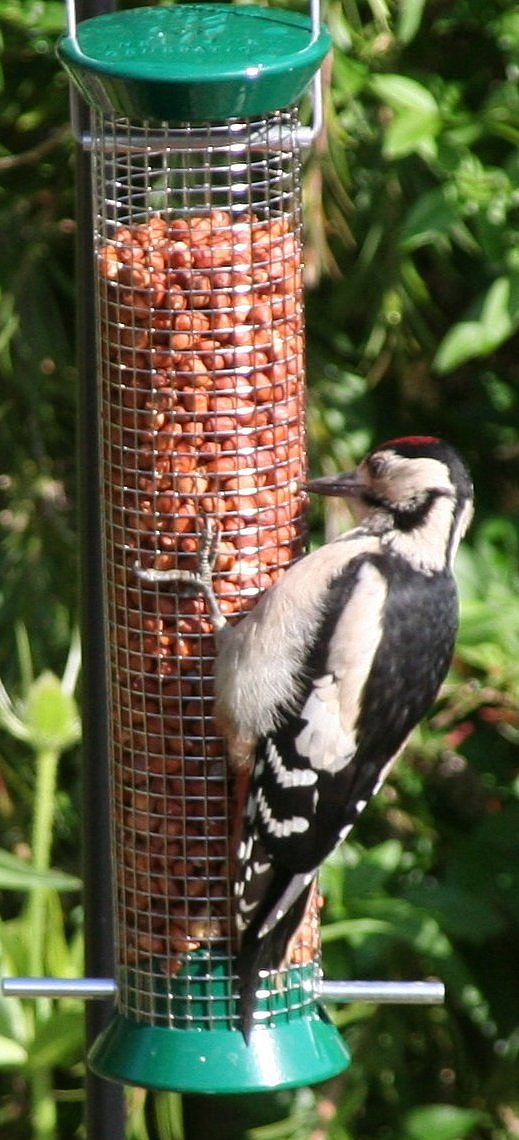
x: 202, y: 343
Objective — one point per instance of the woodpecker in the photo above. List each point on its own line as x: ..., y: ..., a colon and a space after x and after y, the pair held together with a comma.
x: 319, y: 686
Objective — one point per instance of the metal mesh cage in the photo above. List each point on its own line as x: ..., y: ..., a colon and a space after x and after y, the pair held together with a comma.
x: 198, y: 239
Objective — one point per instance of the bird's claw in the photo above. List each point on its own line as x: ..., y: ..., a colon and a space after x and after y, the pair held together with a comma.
x: 199, y: 581
x: 209, y: 533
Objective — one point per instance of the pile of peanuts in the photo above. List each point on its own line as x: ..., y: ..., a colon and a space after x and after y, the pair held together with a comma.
x: 203, y: 415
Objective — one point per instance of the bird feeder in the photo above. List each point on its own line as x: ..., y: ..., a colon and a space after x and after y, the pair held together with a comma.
x: 196, y: 147
x: 195, y: 142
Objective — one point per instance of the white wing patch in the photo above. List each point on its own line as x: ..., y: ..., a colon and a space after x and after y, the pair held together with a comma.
x: 286, y: 777
x: 281, y: 828
x: 328, y: 739
x: 323, y: 740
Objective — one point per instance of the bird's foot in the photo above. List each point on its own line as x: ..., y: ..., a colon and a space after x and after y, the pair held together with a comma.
x: 199, y: 581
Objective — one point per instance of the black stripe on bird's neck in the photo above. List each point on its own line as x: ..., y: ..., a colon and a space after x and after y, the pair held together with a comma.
x: 414, y: 517
x: 411, y: 517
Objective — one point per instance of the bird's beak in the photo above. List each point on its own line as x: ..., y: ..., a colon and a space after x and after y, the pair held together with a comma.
x: 345, y: 486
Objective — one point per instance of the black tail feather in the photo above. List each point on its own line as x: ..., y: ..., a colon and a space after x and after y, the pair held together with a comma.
x: 267, y: 953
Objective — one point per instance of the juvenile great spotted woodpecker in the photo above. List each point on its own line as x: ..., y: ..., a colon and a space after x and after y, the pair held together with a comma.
x: 319, y: 686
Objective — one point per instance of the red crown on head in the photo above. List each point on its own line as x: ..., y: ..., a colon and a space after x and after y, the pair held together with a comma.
x: 414, y: 440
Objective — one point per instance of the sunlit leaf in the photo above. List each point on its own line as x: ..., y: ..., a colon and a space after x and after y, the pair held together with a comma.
x: 12, y: 1054
x: 463, y: 342
x: 354, y: 930
x: 413, y: 130
x: 440, y: 1122
x: 402, y: 93
x: 500, y: 313
x: 409, y: 19
x: 497, y: 319
x: 14, y: 1023
x: 18, y: 875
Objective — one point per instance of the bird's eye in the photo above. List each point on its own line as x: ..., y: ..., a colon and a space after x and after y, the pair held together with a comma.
x: 376, y: 465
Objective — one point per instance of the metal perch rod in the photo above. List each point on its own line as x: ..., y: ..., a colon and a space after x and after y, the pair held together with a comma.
x: 396, y: 993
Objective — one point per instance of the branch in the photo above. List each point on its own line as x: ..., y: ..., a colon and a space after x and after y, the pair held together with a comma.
x: 35, y: 153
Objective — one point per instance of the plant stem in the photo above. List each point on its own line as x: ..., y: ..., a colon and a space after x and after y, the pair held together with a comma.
x: 46, y: 773
x: 42, y: 1099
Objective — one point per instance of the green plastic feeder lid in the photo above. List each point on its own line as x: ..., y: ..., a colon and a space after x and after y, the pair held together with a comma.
x: 193, y: 62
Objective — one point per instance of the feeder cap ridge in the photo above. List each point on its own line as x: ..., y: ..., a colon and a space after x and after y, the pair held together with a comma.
x: 193, y: 62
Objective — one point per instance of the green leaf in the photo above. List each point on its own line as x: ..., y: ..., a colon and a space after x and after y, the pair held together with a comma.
x: 409, y: 19
x: 9, y: 720
x: 412, y: 131
x: 385, y: 856
x: 24, y: 657
x: 12, y: 1053
x: 17, y: 875
x: 432, y: 215
x: 15, y: 937
x: 500, y: 315
x: 351, y: 73
x: 59, y: 1040
x: 404, y: 94
x: 496, y: 319
x: 460, y: 913
x: 354, y: 930
x: 416, y: 120
x: 374, y: 869
x: 59, y: 958
x: 464, y: 341
x: 15, y: 1024
x: 48, y: 17
x: 440, y: 1122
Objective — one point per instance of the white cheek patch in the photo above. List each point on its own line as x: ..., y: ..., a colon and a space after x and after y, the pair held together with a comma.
x: 407, y: 475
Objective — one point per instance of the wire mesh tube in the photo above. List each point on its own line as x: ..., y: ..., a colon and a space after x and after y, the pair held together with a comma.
x: 202, y: 373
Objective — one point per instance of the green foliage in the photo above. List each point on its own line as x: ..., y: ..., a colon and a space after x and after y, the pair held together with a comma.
x: 37, y: 379
x: 412, y: 316
x: 39, y: 938
x: 429, y: 888
x: 423, y: 117
x: 420, y: 295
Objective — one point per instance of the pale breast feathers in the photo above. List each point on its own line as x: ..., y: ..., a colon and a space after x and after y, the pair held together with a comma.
x: 328, y: 739
x: 259, y: 665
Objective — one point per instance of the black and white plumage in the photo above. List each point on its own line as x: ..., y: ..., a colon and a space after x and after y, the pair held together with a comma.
x: 319, y: 686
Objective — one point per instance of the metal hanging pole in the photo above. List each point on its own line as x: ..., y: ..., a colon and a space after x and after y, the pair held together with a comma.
x: 104, y: 1101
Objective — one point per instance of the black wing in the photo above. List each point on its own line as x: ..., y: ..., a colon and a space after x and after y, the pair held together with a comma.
x: 316, y: 772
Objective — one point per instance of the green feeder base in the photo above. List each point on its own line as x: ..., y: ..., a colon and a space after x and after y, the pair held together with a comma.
x: 300, y: 1052
x: 204, y: 1053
